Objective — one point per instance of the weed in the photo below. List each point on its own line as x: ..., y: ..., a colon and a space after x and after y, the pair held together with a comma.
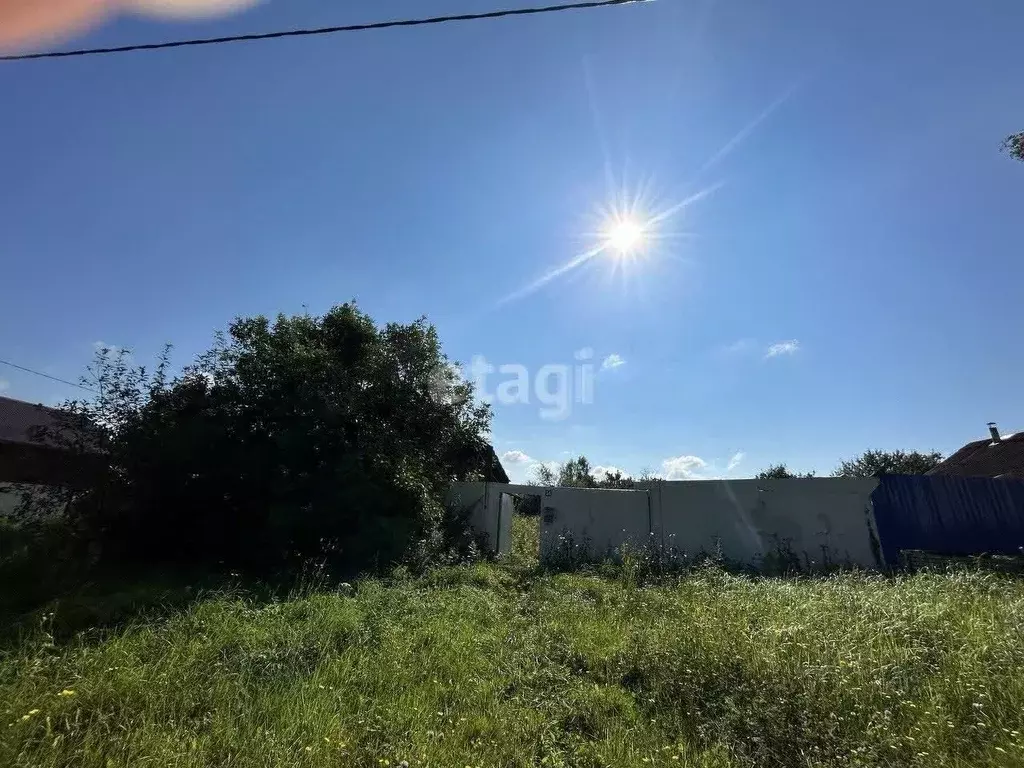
x: 504, y: 664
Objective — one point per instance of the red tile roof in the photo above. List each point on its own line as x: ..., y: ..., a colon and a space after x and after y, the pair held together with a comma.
x: 986, y: 458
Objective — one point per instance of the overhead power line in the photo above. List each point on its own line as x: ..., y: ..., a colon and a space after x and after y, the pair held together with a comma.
x: 323, y: 30
x: 46, y: 375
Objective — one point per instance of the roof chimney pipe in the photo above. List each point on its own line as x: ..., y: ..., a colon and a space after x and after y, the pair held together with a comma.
x: 994, y: 431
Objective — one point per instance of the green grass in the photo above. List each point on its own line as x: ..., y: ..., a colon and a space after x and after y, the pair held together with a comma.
x: 502, y: 665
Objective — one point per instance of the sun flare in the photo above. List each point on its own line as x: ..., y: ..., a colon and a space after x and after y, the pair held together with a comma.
x: 633, y: 231
x: 625, y: 236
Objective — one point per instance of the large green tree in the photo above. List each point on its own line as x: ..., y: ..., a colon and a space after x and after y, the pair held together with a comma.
x: 306, y: 436
x: 877, y: 463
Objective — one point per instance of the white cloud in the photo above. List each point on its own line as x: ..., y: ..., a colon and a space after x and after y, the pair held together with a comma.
x: 600, y: 473
x: 4, y: 384
x: 735, y: 461
x: 612, y: 362
x: 790, y: 347
x: 682, y: 467
x: 515, y: 457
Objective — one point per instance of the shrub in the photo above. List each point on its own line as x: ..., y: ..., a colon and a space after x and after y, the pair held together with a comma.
x: 323, y: 437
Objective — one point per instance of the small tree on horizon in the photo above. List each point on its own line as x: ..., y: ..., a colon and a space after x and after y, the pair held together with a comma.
x: 578, y: 473
x: 780, y: 472
x: 878, y: 463
x: 1014, y: 145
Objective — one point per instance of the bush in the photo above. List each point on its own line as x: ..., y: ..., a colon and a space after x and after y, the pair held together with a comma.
x: 35, y: 562
x: 312, y: 437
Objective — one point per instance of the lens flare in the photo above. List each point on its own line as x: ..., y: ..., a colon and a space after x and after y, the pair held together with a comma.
x: 625, y: 237
x: 630, y: 229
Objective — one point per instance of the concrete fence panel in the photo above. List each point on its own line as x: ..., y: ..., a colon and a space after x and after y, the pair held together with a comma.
x: 818, y: 520
x: 592, y: 522
x: 490, y: 511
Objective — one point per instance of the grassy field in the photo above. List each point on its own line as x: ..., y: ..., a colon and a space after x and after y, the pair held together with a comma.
x: 503, y: 665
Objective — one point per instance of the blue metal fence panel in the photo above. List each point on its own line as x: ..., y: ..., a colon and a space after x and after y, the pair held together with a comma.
x: 950, y: 515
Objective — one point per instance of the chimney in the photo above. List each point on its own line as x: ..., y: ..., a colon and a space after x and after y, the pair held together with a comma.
x: 992, y: 430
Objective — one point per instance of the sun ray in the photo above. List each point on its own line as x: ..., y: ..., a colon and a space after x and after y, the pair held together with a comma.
x: 588, y: 80
x: 672, y: 210
x: 576, y: 261
x: 626, y: 232
x: 628, y: 227
x: 744, y: 132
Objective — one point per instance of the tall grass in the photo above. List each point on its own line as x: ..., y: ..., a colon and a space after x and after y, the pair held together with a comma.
x: 504, y: 665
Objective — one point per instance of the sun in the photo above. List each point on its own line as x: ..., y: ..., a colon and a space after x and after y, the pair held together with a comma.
x: 625, y: 236
x: 628, y: 232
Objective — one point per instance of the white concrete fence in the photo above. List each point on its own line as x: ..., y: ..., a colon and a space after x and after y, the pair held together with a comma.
x: 817, y: 520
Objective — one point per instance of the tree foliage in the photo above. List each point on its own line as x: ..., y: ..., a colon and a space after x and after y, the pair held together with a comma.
x: 878, y: 463
x: 577, y: 472
x: 780, y: 472
x: 1014, y: 144
x: 615, y: 479
x: 306, y: 437
x: 546, y: 475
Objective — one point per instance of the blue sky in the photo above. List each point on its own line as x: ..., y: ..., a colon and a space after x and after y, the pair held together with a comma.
x: 867, y: 225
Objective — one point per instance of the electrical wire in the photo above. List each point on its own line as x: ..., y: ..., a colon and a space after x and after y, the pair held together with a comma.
x: 323, y: 30
x: 46, y: 375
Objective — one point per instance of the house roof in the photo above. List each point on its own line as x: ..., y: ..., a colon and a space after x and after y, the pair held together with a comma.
x: 494, y: 472
x: 20, y: 419
x: 986, y: 458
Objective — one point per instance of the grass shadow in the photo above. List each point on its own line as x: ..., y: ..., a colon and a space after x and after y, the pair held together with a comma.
x: 45, y: 581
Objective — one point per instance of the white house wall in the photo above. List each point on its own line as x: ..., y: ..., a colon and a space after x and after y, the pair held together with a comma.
x: 10, y: 499
x: 817, y: 519
x: 12, y: 495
